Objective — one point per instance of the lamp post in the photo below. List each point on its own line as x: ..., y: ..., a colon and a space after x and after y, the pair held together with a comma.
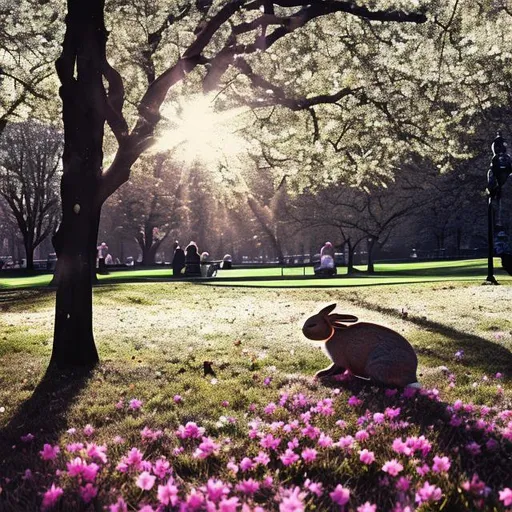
x: 500, y: 170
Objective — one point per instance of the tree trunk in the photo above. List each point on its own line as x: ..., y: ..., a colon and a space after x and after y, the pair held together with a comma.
x: 371, y: 246
x: 83, y: 98
x: 29, y: 252
x: 350, y: 262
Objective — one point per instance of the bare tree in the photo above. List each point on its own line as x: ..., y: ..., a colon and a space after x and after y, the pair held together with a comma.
x: 30, y: 156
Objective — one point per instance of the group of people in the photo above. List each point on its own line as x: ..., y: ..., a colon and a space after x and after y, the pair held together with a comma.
x: 192, y: 264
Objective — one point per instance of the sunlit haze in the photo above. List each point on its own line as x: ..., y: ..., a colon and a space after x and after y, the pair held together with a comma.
x: 196, y: 132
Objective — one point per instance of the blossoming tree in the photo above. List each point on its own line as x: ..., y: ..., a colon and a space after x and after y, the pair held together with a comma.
x: 225, y: 36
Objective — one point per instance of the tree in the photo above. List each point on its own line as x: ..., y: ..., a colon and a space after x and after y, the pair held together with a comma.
x: 28, y: 47
x: 148, y: 207
x: 223, y: 37
x: 30, y: 156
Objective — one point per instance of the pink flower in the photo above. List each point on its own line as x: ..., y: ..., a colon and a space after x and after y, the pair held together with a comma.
x: 441, y: 464
x: 88, y: 430
x: 145, y: 481
x: 354, y: 401
x: 270, y: 408
x: 366, y: 457
x: 118, y: 506
x: 362, y: 435
x: 428, y: 493
x: 340, y: 495
x: 506, y: 496
x: 88, y: 493
x: 324, y: 407
x: 403, y: 484
x: 97, y: 452
x: 207, y: 447
x: 313, y: 487
x: 270, y: 442
x: 178, y: 399
x: 161, y: 467
x: 194, y: 500
x: 324, y: 441
x: 49, y: 452
x: 135, y: 404
x: 311, y: 432
x: 216, y: 490
x: 246, y: 464
x: 473, y: 448
x: 27, y: 438
x: 289, y: 457
x: 309, y: 454
x: 249, y: 486
x: 79, y: 467
x: 134, y: 458
x: 233, y: 467
x: 51, y: 496
x: 379, y: 417
x: 341, y: 424
x: 392, y: 413
x: 120, y: 404
x: 423, y: 469
x: 168, y: 493
x: 292, y: 501
x: 392, y: 467
x: 146, y: 508
x: 261, y: 458
x: 190, y: 431
x: 231, y: 505
x: 346, y: 442
x: 400, y: 447
x: 367, y: 507
x: 476, y: 486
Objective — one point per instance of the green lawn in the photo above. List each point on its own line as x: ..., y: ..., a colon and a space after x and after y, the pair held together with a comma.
x: 385, y: 273
x: 153, y: 340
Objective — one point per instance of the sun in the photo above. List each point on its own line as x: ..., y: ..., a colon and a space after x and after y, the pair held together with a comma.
x: 195, y: 132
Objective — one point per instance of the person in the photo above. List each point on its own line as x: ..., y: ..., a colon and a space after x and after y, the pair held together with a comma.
x: 227, y: 262
x: 102, y: 253
x: 109, y: 260
x: 192, y: 260
x: 327, y: 265
x: 327, y: 256
x: 178, y: 260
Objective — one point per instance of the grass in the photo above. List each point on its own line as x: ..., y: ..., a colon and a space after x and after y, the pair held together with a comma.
x: 385, y: 273
x: 153, y: 340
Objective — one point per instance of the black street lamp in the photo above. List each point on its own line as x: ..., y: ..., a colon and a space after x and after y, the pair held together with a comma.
x: 500, y: 170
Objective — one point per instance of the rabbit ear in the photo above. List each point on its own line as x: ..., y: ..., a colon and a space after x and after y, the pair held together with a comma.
x: 337, y: 317
x: 327, y: 310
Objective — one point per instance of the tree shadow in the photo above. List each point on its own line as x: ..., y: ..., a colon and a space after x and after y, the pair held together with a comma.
x: 487, y: 355
x: 43, y: 415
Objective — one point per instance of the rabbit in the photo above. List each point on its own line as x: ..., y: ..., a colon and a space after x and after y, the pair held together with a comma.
x: 367, y: 350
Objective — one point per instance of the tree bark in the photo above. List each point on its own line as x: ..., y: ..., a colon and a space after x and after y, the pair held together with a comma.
x: 83, y: 98
x: 350, y: 262
x: 29, y: 252
x: 371, y: 245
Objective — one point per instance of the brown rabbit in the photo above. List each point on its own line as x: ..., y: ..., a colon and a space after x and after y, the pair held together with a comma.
x: 367, y: 350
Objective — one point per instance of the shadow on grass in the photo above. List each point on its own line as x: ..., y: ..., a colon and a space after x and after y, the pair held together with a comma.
x: 21, y: 297
x: 435, y: 420
x: 44, y: 415
x: 490, y: 357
